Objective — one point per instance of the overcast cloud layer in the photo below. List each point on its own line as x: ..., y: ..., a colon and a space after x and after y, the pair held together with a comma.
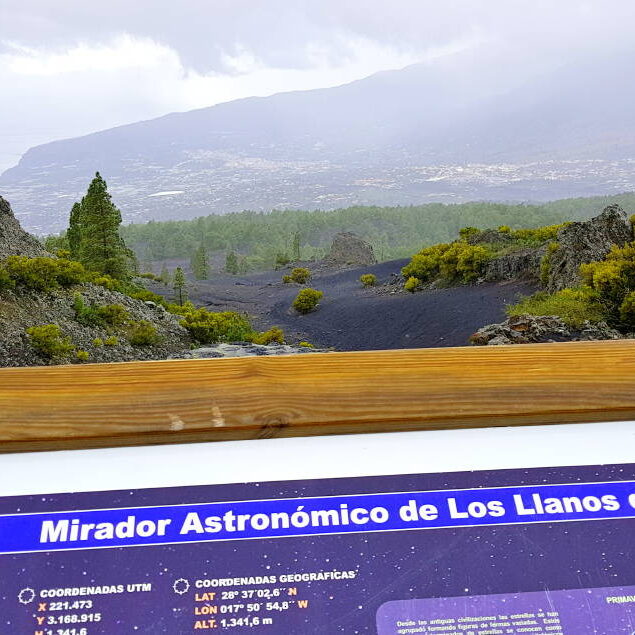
x: 71, y: 67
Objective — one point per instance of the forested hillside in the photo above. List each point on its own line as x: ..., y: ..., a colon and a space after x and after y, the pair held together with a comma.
x: 394, y: 232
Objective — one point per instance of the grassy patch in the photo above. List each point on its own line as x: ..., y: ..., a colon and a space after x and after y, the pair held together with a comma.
x: 573, y: 306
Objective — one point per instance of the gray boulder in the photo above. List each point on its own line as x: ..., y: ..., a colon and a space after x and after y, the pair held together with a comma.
x: 584, y: 242
x: 14, y: 241
x: 490, y: 236
x: 526, y: 329
x: 516, y: 265
x: 350, y: 249
x: 247, y: 349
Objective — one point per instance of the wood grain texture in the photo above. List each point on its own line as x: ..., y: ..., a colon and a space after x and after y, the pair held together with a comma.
x: 99, y: 405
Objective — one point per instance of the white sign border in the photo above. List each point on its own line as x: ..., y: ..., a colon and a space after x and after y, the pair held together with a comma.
x: 317, y: 457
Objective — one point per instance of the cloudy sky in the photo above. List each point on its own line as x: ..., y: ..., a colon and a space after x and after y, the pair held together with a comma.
x: 69, y: 67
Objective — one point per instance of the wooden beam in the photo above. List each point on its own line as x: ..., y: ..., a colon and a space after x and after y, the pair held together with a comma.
x: 83, y: 406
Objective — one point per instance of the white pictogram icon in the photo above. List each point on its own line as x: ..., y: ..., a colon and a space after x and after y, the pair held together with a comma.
x: 26, y: 596
x: 181, y: 586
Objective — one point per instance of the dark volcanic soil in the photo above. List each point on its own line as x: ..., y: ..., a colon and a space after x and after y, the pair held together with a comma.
x: 351, y: 318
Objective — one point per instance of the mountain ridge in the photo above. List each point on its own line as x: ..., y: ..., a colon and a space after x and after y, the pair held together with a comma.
x: 422, y: 133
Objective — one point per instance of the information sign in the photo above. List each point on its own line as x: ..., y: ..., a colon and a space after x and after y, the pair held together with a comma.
x: 534, y: 549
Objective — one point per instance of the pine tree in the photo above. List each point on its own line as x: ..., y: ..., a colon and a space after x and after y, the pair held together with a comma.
x: 180, y: 290
x: 74, y: 233
x: 281, y: 260
x: 101, y: 248
x: 199, y: 264
x: 243, y: 265
x: 165, y: 276
x: 231, y: 263
x: 295, y: 250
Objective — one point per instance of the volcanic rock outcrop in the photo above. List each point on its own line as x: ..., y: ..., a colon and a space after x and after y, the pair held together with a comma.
x: 350, y: 249
x: 584, y: 242
x: 14, y: 241
x: 526, y: 329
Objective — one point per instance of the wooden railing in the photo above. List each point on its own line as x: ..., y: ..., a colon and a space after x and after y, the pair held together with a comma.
x: 99, y: 405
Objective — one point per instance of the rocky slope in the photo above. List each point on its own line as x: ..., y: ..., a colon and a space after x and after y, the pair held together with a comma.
x: 579, y: 243
x: 527, y: 329
x: 21, y: 309
x: 13, y: 240
x: 576, y: 244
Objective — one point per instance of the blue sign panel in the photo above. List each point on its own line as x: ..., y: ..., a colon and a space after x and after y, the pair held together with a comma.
x: 509, y: 551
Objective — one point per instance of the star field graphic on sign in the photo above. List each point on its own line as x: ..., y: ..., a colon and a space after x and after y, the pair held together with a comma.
x: 474, y: 552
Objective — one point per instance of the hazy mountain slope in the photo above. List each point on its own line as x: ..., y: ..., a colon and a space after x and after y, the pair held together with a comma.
x: 394, y: 138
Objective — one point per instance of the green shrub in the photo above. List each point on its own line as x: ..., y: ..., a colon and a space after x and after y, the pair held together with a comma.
x: 368, y: 279
x: 425, y: 264
x: 93, y: 315
x: 33, y: 273
x: 412, y: 284
x: 539, y: 235
x: 209, y: 328
x: 281, y: 260
x: 6, y: 281
x: 98, y: 342
x: 113, y: 314
x: 307, y: 300
x: 82, y: 356
x: 148, y: 296
x: 142, y: 333
x: 306, y: 345
x: 85, y: 314
x: 545, y: 263
x: 63, y: 253
x: 105, y: 281
x: 53, y: 243
x: 274, y: 334
x: 179, y: 309
x: 452, y: 262
x: 462, y: 262
x: 627, y: 311
x: 111, y: 341
x: 573, y: 306
x: 300, y: 275
x: 467, y: 232
x: 69, y: 272
x: 470, y: 263
x: 505, y: 229
x: 44, y: 274
x: 613, y: 279
x: 48, y: 341
x: 287, y: 279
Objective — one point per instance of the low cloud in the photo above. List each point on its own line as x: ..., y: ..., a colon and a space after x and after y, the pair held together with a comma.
x: 69, y: 69
x: 73, y: 91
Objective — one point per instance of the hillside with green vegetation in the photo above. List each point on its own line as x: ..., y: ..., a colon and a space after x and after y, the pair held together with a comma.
x: 465, y: 260
x: 85, y: 301
x: 575, y: 272
x: 394, y: 232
